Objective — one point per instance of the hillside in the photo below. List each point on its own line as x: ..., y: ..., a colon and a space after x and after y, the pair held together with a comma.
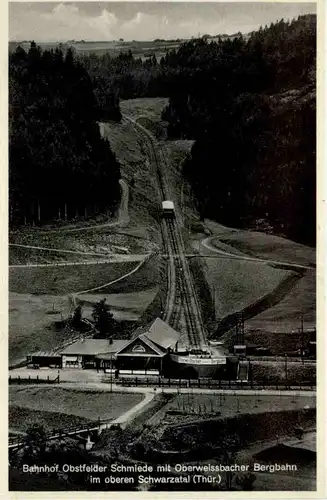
x: 250, y: 106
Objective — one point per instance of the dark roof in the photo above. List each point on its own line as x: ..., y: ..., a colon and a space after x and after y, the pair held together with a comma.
x: 162, y: 334
x: 157, y: 335
x: 92, y: 347
x: 113, y: 348
x: 159, y: 350
x: 45, y: 354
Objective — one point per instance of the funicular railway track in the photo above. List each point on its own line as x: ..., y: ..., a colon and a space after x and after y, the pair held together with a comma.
x: 182, y: 302
x: 185, y: 298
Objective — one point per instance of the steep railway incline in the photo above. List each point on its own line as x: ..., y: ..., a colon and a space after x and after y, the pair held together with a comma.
x: 182, y: 309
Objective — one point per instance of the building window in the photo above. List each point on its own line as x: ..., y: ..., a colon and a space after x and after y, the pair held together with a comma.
x: 138, y: 348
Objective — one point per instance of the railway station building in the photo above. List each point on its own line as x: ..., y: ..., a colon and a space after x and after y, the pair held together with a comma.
x: 85, y: 353
x: 146, y: 352
x: 149, y: 348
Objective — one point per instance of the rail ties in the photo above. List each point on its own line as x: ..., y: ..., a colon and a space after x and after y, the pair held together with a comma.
x: 185, y: 291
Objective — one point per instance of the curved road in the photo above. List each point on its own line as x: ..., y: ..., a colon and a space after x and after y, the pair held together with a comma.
x: 291, y: 265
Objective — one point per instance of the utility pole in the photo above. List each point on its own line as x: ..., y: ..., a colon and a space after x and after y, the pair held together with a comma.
x: 302, y: 335
x: 111, y: 372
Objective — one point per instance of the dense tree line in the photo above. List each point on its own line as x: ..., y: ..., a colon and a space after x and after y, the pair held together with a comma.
x: 60, y: 167
x: 125, y: 76
x: 250, y: 106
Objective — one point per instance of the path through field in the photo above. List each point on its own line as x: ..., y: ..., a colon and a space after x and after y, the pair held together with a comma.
x: 290, y: 265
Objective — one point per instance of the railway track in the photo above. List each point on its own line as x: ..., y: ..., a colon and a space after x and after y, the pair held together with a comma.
x: 182, y: 302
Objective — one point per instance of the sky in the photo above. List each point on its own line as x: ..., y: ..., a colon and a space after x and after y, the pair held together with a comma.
x: 63, y: 21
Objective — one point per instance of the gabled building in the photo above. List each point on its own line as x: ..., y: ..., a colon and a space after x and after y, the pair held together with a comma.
x: 148, y: 348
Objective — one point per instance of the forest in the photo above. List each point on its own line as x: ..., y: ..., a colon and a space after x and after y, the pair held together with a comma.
x: 250, y: 105
x: 248, y: 102
x: 60, y: 167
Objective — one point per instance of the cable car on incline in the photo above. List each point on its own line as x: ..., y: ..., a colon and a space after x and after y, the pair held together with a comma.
x: 168, y: 209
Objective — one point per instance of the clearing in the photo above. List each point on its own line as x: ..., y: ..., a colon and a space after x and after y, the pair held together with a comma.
x: 89, y: 244
x: 238, y: 283
x: 32, y: 320
x: 139, y: 49
x: 124, y: 306
x: 194, y: 406
x: 59, y: 280
x: 140, y: 176
x: 149, y: 107
x: 73, y: 405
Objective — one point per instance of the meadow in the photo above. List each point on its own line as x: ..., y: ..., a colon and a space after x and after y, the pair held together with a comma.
x: 74, y: 405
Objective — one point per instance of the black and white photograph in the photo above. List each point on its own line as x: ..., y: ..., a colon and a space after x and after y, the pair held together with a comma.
x: 162, y: 247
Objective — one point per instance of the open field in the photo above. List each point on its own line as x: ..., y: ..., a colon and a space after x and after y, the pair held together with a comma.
x: 32, y: 315
x: 147, y: 276
x: 124, y: 306
x: 21, y: 418
x: 238, y: 283
x: 140, y: 175
x: 278, y: 342
x: 268, y: 246
x: 88, y: 245
x: 87, y: 404
x: 31, y: 319
x: 286, y: 315
x: 61, y: 280
x: 150, y: 107
x: 140, y: 49
x: 300, y: 298
x: 293, y: 372
x: 194, y: 406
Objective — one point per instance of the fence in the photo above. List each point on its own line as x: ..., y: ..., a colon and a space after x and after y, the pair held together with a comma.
x: 61, y: 433
x: 33, y: 380
x: 215, y: 384
x: 281, y: 359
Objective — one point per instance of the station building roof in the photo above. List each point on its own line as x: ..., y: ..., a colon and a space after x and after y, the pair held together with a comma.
x: 44, y: 354
x: 160, y: 333
x: 158, y: 336
x: 94, y: 347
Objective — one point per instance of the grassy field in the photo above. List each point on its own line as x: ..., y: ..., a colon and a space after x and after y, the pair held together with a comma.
x: 237, y: 284
x: 21, y: 418
x: 100, y: 242
x: 256, y: 277
x: 31, y: 321
x: 140, y: 49
x: 278, y: 342
x: 268, y: 246
x: 124, y: 306
x: 139, y: 174
x: 87, y: 404
x: 150, y: 107
x: 286, y: 315
x: 296, y: 372
x: 193, y: 406
x: 65, y: 279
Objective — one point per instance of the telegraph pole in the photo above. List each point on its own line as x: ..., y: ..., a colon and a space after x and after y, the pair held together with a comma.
x: 302, y: 335
x: 111, y: 372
